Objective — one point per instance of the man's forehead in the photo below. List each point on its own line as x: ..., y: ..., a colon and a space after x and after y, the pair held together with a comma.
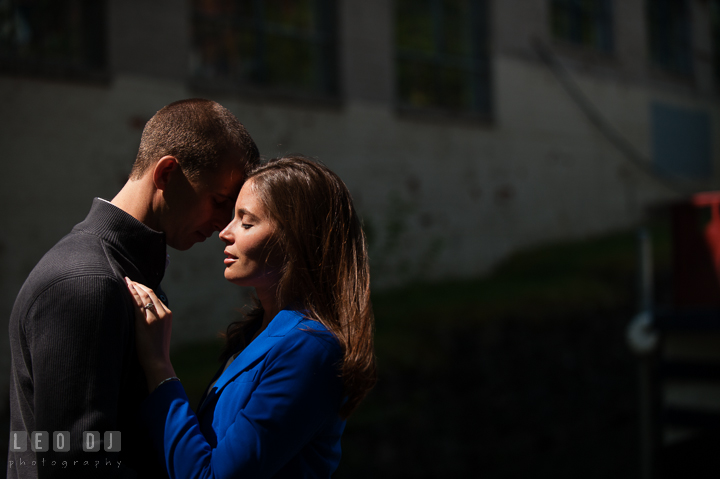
x: 224, y: 179
x: 231, y: 174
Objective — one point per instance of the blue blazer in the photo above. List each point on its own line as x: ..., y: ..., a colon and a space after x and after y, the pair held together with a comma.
x: 272, y: 413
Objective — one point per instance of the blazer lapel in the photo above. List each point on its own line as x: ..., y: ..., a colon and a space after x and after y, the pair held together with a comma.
x: 278, y: 327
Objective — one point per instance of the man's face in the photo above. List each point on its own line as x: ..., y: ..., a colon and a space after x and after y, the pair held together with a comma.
x: 195, y: 209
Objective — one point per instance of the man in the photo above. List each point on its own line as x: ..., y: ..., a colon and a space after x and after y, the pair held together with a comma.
x: 74, y: 364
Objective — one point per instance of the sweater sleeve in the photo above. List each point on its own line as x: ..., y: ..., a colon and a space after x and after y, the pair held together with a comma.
x: 298, y: 391
x: 78, y: 332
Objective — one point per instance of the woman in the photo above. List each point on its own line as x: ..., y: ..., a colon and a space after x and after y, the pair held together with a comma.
x: 299, y: 363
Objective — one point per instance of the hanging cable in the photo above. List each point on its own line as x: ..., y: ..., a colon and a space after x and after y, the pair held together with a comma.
x: 666, y: 178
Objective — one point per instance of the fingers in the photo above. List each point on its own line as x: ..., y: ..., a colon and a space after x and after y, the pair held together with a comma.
x: 134, y: 292
x: 149, y: 297
x: 144, y: 297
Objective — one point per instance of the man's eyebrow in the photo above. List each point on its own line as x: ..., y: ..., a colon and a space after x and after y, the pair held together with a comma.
x: 223, y: 195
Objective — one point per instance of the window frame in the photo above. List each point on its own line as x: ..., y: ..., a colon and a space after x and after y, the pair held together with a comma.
x: 92, y: 50
x: 577, y: 12
x: 325, y: 39
x: 476, y: 64
x: 715, y: 38
x: 661, y: 55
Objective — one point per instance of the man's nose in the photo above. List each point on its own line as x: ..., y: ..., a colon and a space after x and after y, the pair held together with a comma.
x: 222, y: 218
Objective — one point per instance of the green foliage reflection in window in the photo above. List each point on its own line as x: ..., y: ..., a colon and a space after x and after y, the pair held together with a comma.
x: 442, y: 59
x: 287, y: 44
x: 585, y: 22
x: 53, y: 35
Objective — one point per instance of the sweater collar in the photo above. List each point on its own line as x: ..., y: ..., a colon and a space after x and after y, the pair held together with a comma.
x: 144, y: 246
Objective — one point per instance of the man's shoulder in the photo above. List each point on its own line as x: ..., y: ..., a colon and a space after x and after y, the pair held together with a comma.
x: 78, y: 253
x: 75, y: 257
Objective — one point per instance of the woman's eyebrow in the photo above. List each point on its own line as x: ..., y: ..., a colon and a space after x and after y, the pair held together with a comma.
x: 244, y: 212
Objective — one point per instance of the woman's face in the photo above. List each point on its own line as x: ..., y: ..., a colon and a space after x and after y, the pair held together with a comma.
x: 248, y: 238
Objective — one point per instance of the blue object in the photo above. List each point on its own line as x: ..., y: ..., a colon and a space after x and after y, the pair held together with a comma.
x: 272, y: 413
x: 681, y: 142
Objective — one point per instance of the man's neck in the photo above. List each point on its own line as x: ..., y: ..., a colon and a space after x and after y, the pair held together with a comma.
x: 136, y: 199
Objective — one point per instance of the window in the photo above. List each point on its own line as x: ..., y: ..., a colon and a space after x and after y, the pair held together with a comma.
x: 715, y: 28
x: 583, y: 22
x: 681, y: 141
x: 442, y: 55
x: 286, y: 45
x: 669, y: 35
x: 58, y: 37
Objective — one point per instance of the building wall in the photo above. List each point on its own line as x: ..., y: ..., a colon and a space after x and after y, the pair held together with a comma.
x: 441, y: 197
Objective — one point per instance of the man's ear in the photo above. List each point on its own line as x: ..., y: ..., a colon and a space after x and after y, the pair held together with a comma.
x: 164, y: 168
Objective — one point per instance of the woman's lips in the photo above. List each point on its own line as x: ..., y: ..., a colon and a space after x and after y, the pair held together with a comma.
x: 230, y: 259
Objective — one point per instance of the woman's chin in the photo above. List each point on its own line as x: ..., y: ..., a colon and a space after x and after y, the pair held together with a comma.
x: 230, y: 277
x: 234, y: 279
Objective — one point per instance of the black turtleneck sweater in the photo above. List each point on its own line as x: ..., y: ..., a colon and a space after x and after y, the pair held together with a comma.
x: 72, y: 343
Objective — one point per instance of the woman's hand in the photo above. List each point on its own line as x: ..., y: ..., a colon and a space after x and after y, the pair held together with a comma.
x: 153, y: 325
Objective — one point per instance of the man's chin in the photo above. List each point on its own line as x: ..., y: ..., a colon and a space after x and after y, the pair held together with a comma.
x: 187, y: 243
x: 184, y: 246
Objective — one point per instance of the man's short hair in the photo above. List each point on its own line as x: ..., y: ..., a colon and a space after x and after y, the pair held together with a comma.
x: 199, y: 133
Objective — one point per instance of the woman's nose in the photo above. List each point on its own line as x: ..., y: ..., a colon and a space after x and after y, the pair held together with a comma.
x: 225, y: 235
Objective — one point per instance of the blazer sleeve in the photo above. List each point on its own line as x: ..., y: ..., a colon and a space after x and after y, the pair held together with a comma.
x: 298, y: 391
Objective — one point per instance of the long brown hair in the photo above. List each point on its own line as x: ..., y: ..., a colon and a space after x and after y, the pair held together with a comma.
x: 325, y: 269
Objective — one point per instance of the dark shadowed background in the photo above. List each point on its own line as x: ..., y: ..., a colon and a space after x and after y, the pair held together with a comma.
x: 503, y: 155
